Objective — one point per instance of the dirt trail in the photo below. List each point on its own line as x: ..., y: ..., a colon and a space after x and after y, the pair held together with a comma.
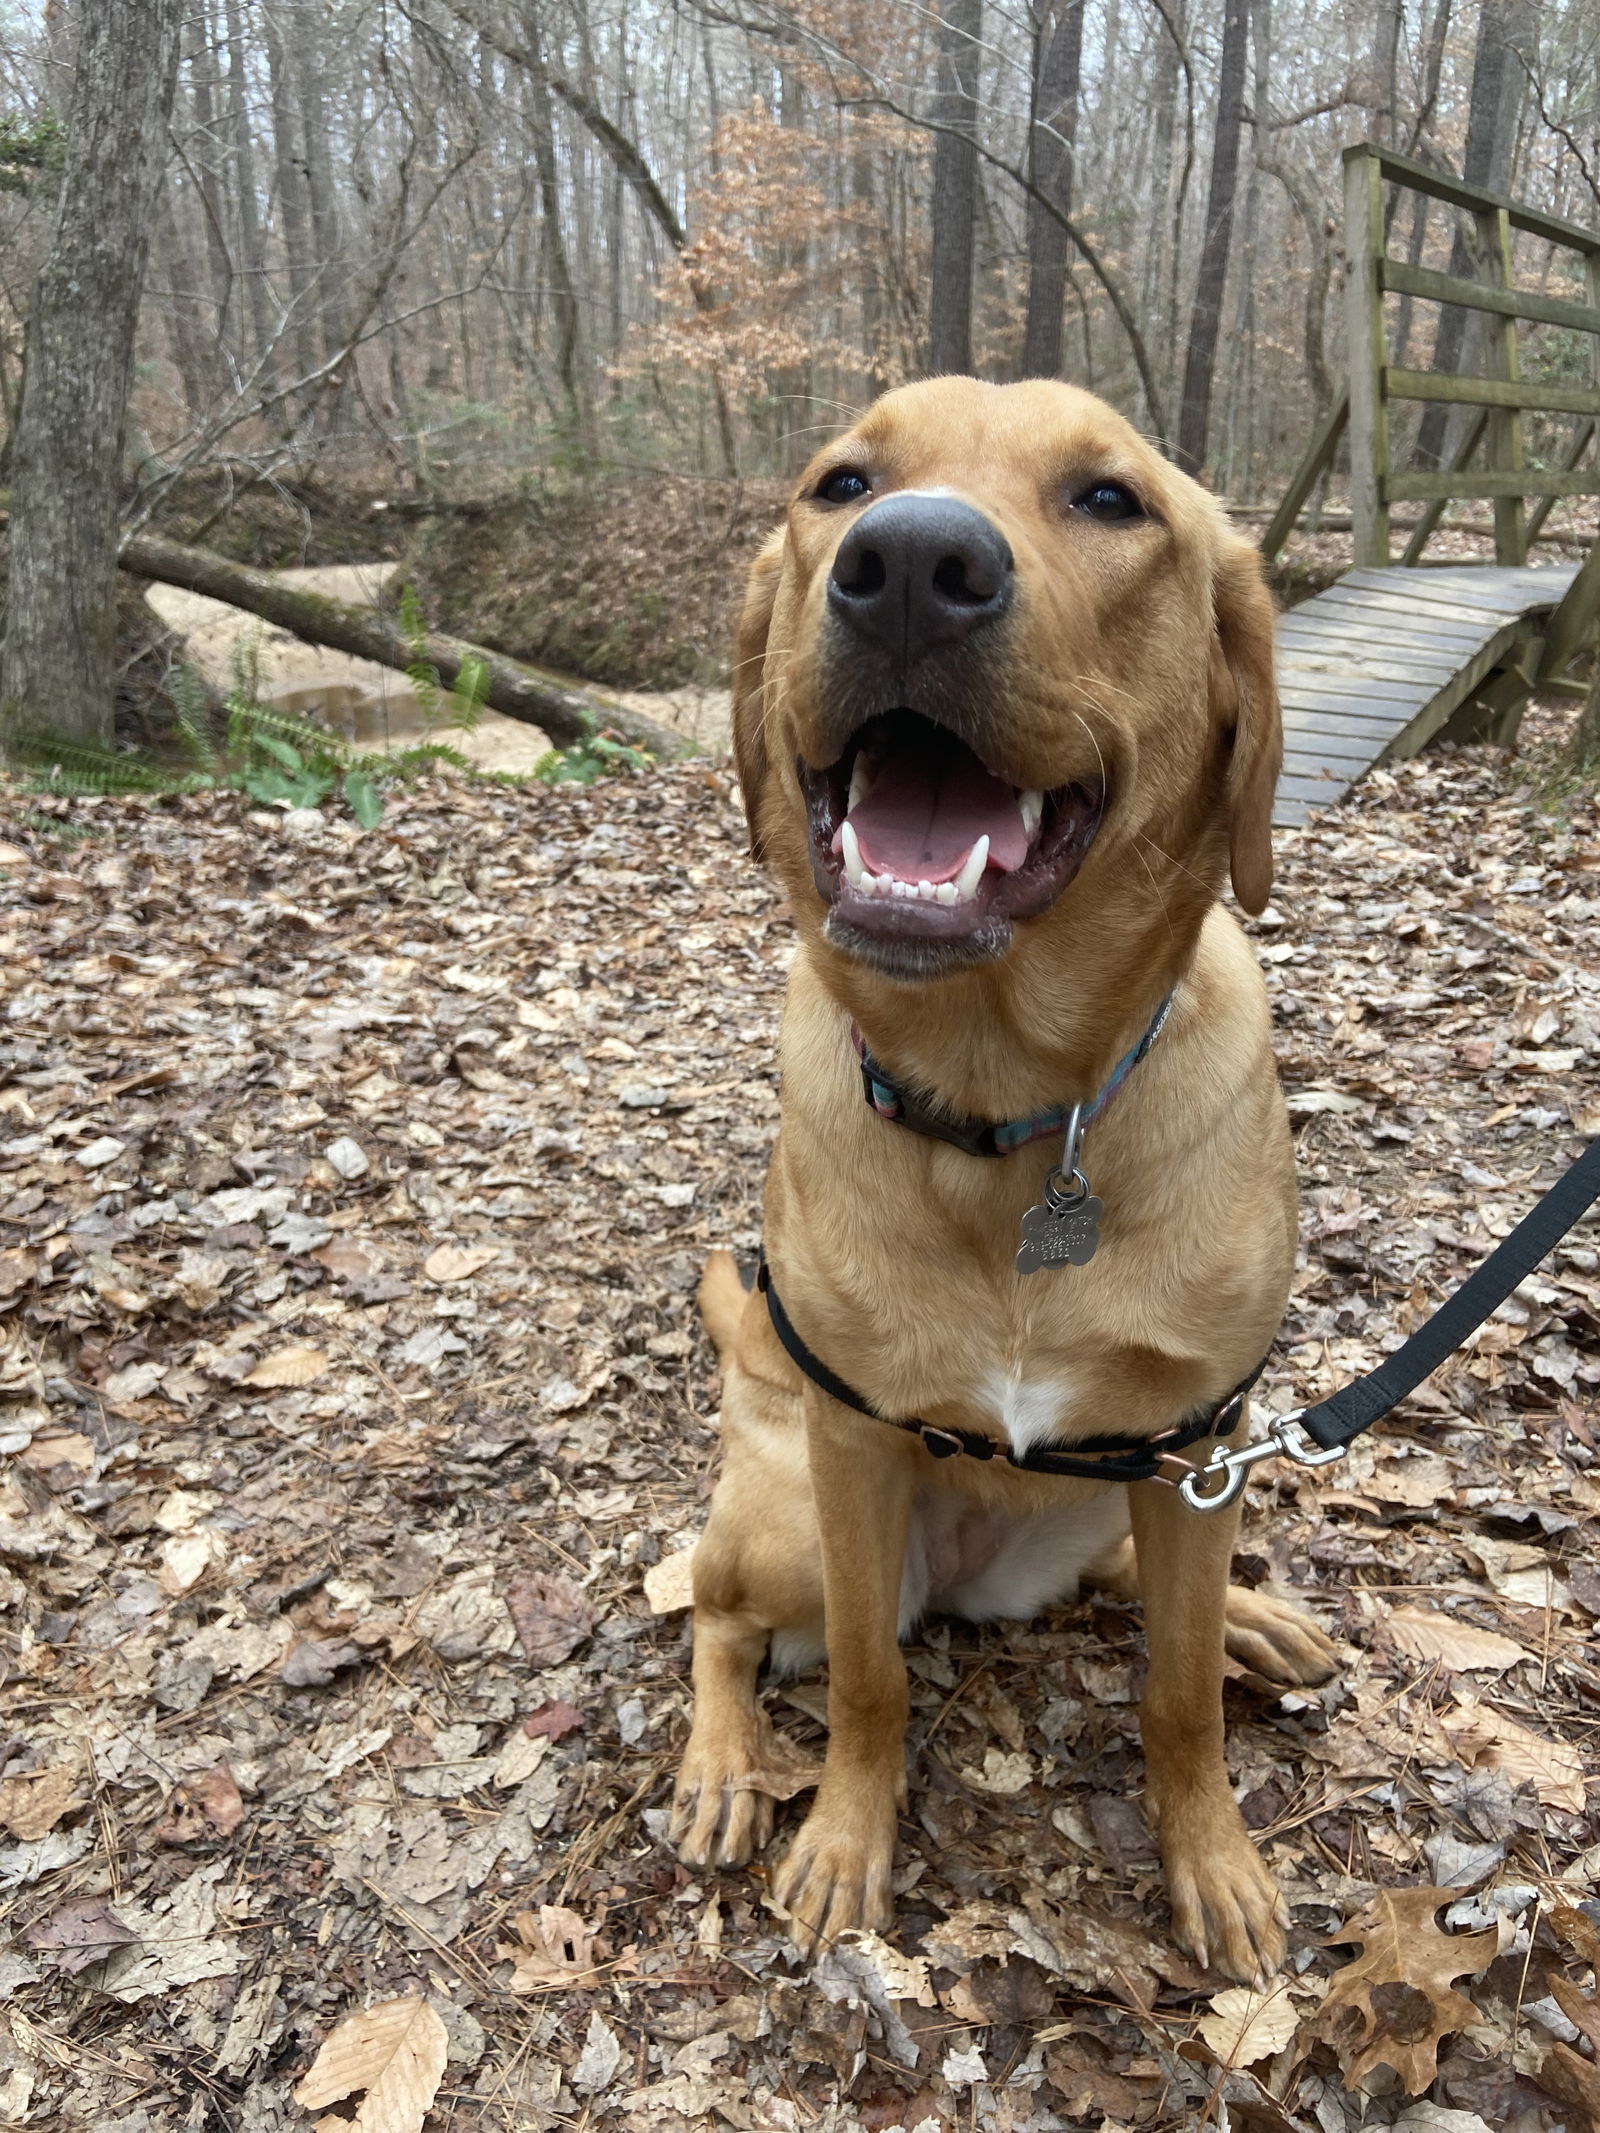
x: 374, y: 705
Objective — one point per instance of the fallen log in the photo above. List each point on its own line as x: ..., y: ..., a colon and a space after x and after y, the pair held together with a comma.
x: 569, y: 715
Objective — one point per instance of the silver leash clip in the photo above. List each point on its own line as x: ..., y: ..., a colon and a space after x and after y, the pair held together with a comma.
x: 1285, y: 1439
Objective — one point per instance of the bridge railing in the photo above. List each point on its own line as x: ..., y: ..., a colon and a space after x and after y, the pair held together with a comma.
x: 1489, y: 459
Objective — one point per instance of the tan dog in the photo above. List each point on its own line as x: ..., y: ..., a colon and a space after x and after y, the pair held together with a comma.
x: 996, y: 613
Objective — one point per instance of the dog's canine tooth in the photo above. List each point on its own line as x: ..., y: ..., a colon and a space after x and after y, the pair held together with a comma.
x: 860, y: 782
x: 1031, y: 805
x: 972, y: 873
x: 850, y: 846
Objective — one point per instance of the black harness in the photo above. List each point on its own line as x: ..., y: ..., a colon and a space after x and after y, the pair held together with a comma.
x: 1120, y: 1457
x: 1312, y: 1436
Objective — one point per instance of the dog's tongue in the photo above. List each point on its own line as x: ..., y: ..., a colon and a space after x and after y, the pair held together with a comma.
x: 924, y: 814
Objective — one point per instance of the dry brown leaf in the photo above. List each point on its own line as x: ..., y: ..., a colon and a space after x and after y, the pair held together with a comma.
x: 1578, y: 1930
x: 32, y: 1805
x: 1426, y: 1634
x: 395, y: 2051
x: 553, y: 1721
x: 1487, y: 1739
x: 345, y: 1259
x: 669, y: 1584
x: 78, y: 1934
x: 59, y: 1447
x: 1573, y: 2080
x: 554, y: 1947
x: 1401, y: 1945
x: 457, y: 1262
x: 206, y: 1806
x: 1244, y: 2026
x: 552, y: 1616
x: 186, y: 1558
x: 1582, y: 2009
x: 288, y: 1366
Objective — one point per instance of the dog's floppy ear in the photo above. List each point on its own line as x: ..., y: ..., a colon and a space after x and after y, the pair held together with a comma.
x: 749, y: 675
x: 1244, y: 695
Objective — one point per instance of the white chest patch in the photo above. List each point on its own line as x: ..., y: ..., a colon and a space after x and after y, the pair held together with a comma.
x: 1028, y: 1410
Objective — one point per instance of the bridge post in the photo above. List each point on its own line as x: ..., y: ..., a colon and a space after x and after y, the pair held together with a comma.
x: 1505, y: 423
x: 1364, y: 334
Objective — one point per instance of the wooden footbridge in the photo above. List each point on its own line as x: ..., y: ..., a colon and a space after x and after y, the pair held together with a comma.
x: 1399, y: 653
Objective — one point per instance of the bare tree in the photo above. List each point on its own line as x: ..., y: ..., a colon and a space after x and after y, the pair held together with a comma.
x: 955, y: 187
x: 1052, y: 141
x: 1194, y: 414
x: 1507, y: 40
x: 59, y: 669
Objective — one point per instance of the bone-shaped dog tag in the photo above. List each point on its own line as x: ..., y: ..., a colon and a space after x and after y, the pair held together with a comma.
x: 1064, y: 1230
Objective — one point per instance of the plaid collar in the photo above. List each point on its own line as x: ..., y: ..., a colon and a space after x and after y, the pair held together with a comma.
x: 902, y: 1106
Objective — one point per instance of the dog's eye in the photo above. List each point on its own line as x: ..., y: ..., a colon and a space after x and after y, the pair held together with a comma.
x: 843, y: 486
x: 1108, y: 501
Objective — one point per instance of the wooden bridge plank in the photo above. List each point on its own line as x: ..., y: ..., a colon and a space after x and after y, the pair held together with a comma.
x: 1451, y: 618
x: 1369, y: 670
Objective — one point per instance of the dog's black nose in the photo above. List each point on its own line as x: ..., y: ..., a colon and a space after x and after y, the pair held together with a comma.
x: 915, y: 572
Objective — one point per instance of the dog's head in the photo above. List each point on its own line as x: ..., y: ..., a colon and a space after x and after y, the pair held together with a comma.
x: 1002, y: 665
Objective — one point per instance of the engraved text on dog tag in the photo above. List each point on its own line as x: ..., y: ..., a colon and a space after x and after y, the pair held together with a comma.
x: 1064, y: 1230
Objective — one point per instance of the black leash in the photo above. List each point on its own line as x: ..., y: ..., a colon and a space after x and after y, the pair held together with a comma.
x: 1122, y: 1457
x: 1315, y: 1436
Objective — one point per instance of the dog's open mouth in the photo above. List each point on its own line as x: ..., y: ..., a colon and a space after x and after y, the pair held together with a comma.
x: 913, y: 838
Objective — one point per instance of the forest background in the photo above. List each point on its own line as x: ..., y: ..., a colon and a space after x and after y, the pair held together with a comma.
x: 444, y: 255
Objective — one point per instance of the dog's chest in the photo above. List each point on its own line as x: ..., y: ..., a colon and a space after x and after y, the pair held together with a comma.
x: 1030, y: 1409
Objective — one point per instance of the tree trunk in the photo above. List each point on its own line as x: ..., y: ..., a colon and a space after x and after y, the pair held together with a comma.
x: 289, y: 160
x: 1194, y: 415
x: 1507, y: 33
x: 567, y: 714
x: 190, y: 343
x: 203, y: 150
x: 59, y: 668
x: 1058, y: 65
x: 955, y: 187
x: 563, y: 295
x: 256, y: 336
x: 329, y: 270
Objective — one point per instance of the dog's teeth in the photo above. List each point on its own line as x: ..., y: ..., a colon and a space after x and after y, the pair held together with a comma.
x: 972, y: 873
x: 946, y: 892
x: 1032, y: 806
x: 925, y: 891
x: 902, y: 888
x: 850, y: 846
x: 860, y: 782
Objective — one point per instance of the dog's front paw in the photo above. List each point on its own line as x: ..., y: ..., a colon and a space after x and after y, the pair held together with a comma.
x: 1277, y: 1640
x: 836, y: 1874
x: 1227, y: 1910
x: 728, y: 1786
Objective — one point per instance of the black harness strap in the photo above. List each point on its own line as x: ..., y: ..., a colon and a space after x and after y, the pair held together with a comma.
x: 1339, y: 1420
x: 1123, y: 1458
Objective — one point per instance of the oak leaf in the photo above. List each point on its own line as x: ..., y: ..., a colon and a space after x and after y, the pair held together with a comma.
x: 289, y: 1366
x: 556, y: 1949
x: 458, y: 1262
x: 551, y: 1614
x: 395, y: 2051
x: 1400, y: 1987
x: 32, y: 1804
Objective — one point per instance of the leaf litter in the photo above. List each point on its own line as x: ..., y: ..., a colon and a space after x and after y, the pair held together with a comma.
x: 357, y: 1427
